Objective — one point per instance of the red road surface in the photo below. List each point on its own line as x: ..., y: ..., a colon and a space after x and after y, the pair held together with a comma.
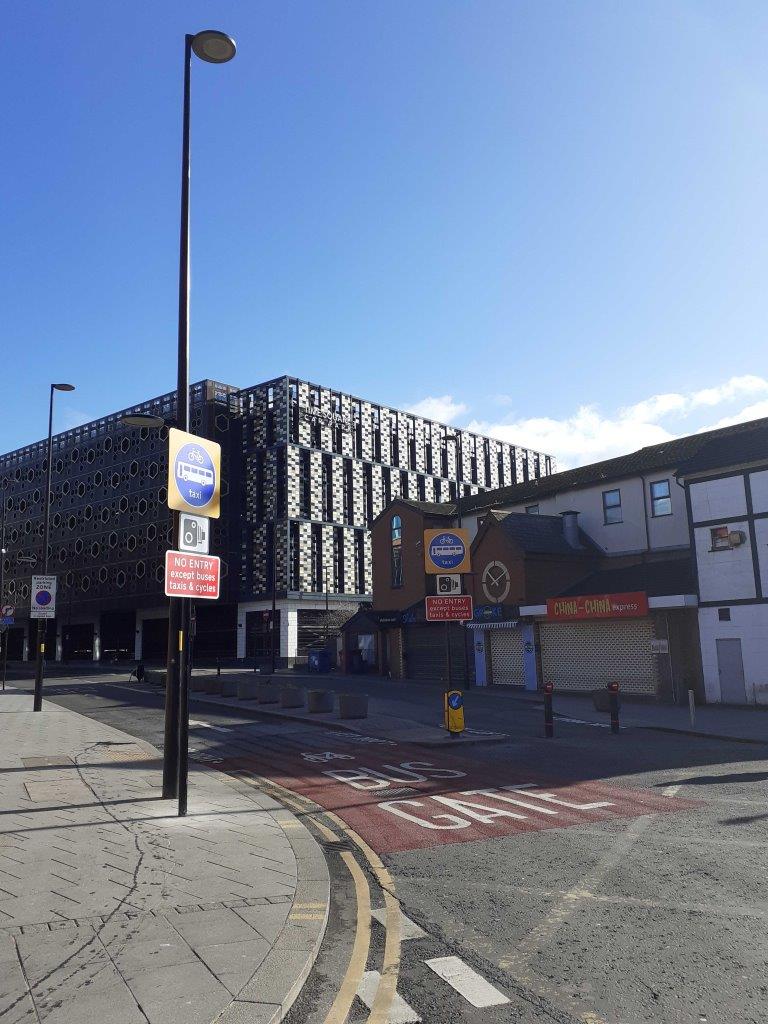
x: 400, y: 797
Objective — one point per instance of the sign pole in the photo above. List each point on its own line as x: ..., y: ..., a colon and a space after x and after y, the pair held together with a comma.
x: 42, y: 624
x: 185, y: 663
x: 175, y: 607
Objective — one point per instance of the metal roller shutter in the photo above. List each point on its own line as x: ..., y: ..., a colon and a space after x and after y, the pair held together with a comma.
x: 588, y: 655
x: 425, y: 652
x: 507, y: 657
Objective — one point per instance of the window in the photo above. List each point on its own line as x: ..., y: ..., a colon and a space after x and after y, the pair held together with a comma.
x: 397, y: 551
x: 428, y: 460
x: 305, y: 482
x: 500, y: 466
x: 295, y: 559
x: 661, y: 500
x: 338, y: 560
x: 293, y: 401
x: 376, y: 428
x: 368, y: 492
x: 721, y: 538
x: 421, y: 488
x: 612, y: 507
x: 359, y: 562
x: 317, y: 558
x: 532, y: 510
x: 724, y: 614
x: 411, y: 442
x: 327, y: 488
x: 349, y: 493
x: 404, y: 484
x: 357, y: 440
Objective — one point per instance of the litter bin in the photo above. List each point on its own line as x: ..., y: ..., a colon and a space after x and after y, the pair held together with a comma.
x: 319, y: 660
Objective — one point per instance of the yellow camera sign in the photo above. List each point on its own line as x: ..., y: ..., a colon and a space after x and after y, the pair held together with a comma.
x: 194, y: 474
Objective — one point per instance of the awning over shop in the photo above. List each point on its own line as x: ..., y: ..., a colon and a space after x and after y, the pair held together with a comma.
x: 511, y: 624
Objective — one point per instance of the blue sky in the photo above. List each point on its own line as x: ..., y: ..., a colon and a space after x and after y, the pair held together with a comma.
x: 532, y: 216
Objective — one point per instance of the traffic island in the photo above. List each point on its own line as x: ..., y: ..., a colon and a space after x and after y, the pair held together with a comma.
x: 185, y: 918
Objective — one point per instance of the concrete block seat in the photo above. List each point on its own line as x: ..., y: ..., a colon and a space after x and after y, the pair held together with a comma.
x: 267, y: 692
x: 353, y: 705
x: 319, y: 701
x: 291, y: 696
x: 228, y: 687
x: 247, y: 689
x: 213, y: 685
x: 198, y: 684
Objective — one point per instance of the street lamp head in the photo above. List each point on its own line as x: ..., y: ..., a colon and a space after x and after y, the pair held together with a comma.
x: 63, y: 387
x: 213, y: 47
x: 142, y: 419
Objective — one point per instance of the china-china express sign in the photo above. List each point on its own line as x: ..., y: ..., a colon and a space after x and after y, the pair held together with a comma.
x: 598, y: 606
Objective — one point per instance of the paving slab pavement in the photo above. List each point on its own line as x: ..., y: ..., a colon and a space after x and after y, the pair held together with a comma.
x: 113, y: 909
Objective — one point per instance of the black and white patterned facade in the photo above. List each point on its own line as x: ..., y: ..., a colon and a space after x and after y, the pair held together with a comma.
x: 305, y: 468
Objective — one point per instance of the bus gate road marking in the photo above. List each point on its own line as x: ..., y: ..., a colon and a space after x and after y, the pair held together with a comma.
x: 468, y: 983
x: 407, y: 798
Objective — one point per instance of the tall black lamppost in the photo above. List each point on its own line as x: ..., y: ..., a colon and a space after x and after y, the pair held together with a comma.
x: 42, y: 623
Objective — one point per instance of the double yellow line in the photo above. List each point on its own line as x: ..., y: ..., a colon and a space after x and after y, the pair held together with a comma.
x: 358, y: 960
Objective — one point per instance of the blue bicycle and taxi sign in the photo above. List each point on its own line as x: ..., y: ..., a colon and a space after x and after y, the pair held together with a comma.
x: 194, y: 474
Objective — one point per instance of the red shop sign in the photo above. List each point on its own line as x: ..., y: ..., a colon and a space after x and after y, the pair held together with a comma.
x: 598, y: 606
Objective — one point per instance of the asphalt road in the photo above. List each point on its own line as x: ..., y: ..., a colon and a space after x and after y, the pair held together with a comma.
x: 594, y: 879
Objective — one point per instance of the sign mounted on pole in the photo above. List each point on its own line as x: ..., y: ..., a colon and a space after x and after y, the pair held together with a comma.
x: 194, y: 474
x: 43, y: 598
x: 449, y: 609
x: 448, y: 584
x: 194, y: 533
x: 446, y: 551
x: 188, y: 575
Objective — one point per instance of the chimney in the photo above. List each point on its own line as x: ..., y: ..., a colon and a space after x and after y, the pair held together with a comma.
x: 571, y: 528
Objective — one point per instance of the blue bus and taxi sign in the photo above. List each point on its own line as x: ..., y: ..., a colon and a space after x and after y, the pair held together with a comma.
x: 446, y: 551
x: 194, y: 474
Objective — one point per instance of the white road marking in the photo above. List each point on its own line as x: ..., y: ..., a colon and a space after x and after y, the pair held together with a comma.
x: 468, y: 983
x: 582, y: 721
x: 408, y: 928
x: 207, y: 725
x: 400, y: 1012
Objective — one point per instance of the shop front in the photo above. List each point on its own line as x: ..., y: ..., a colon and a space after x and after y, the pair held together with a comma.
x: 640, y: 642
x: 503, y: 646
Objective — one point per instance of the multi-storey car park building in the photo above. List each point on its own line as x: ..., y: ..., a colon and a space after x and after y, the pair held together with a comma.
x: 305, y: 471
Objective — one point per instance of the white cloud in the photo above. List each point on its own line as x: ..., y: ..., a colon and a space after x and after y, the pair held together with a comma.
x: 591, y: 434
x: 444, y: 408
x: 71, y: 418
x: 745, y: 385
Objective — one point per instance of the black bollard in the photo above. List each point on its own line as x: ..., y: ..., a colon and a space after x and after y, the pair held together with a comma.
x: 549, y: 729
x: 613, y: 689
x: 218, y: 668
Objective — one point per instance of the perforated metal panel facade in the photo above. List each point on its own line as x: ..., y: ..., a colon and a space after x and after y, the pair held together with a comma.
x: 588, y: 655
x: 320, y: 465
x: 506, y: 649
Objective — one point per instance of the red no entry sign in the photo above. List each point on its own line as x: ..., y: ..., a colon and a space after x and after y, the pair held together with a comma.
x: 188, y: 575
x: 449, y: 609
